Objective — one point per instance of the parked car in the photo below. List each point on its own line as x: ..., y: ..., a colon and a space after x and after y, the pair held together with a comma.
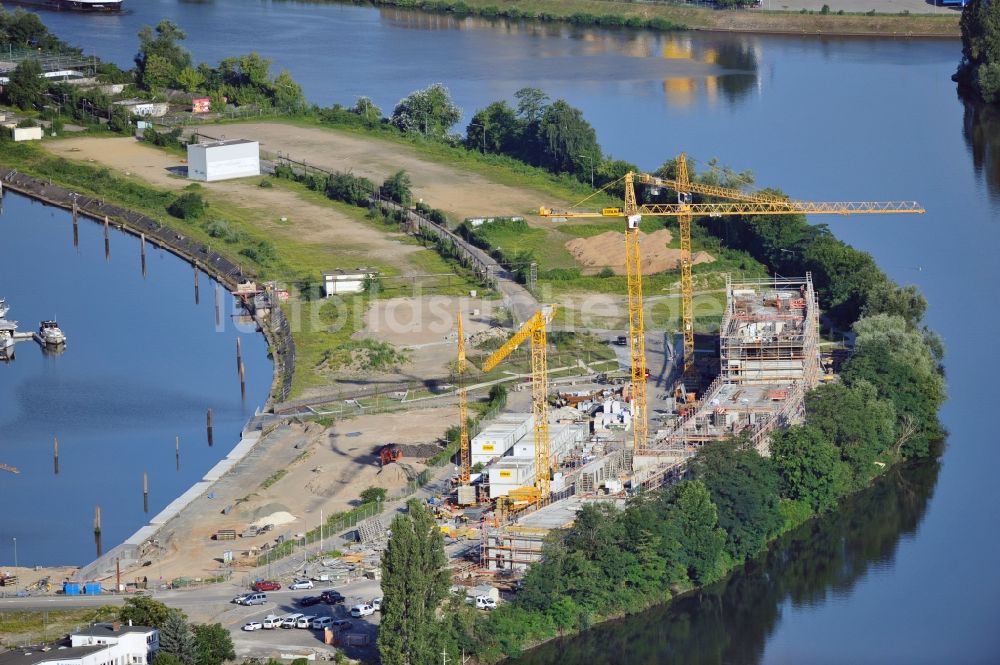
x: 300, y: 584
x: 340, y: 624
x: 319, y: 623
x: 309, y: 601
x: 377, y: 604
x: 362, y: 610
x: 271, y: 622
x: 485, y: 603
x: 304, y: 621
x: 239, y: 599
x: 265, y: 585
x: 331, y: 597
x: 288, y: 623
x: 253, y: 625
x: 254, y: 599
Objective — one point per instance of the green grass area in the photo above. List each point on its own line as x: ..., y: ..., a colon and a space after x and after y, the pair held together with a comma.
x: 32, y: 627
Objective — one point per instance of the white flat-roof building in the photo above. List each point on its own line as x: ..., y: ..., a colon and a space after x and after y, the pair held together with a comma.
x: 99, y: 644
x: 223, y: 160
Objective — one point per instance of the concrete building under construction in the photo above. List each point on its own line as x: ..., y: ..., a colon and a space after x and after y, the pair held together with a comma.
x: 768, y: 359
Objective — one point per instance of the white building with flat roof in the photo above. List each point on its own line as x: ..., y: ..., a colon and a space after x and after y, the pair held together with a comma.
x: 99, y: 644
x: 223, y: 160
x: 347, y: 281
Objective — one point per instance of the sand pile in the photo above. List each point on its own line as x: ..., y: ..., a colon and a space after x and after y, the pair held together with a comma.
x: 607, y: 250
x: 277, y: 519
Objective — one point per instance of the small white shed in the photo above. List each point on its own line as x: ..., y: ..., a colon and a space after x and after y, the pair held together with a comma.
x: 27, y: 133
x: 223, y: 160
x: 346, y: 281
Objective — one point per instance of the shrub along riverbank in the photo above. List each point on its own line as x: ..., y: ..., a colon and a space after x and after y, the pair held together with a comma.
x: 663, y: 16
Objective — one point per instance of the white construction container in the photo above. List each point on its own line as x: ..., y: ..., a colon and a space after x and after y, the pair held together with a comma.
x: 510, y: 473
x: 223, y: 160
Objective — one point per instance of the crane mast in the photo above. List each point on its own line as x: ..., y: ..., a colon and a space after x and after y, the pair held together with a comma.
x: 534, y: 329
x: 465, y: 470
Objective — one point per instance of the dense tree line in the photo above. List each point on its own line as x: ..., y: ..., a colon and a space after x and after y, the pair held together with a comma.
x: 979, y: 69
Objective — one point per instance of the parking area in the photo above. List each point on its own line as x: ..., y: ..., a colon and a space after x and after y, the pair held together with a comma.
x: 356, y: 637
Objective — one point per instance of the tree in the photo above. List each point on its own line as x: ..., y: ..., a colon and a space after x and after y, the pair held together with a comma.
x: 164, y: 658
x: 164, y: 43
x: 414, y: 583
x: 531, y: 103
x: 189, y: 79
x: 188, y: 206
x: 212, y: 644
x: 367, y: 108
x: 564, y: 135
x: 144, y: 611
x: 494, y: 129
x: 430, y: 111
x: 904, y: 301
x: 288, y: 94
x: 979, y: 69
x: 373, y: 495
x: 177, y: 639
x: 158, y: 73
x: 26, y: 85
x: 700, y: 539
x: 810, y: 467
x: 860, y: 424
x: 397, y: 188
x: 744, y: 488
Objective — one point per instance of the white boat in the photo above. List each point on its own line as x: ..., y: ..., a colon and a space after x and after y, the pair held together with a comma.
x: 4, y: 307
x: 51, y: 334
x: 7, y: 330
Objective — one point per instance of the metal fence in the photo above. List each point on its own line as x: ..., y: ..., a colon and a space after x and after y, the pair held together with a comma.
x: 284, y: 351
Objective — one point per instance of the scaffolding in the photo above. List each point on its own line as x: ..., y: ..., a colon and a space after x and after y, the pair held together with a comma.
x: 770, y: 332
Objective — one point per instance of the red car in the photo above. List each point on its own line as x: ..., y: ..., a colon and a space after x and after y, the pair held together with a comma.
x: 265, y: 585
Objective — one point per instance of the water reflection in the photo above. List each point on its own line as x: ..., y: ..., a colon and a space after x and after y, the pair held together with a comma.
x: 693, y: 69
x: 731, y: 622
x: 981, y: 128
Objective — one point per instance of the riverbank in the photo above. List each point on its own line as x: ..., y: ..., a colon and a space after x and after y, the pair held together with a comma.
x: 607, y: 13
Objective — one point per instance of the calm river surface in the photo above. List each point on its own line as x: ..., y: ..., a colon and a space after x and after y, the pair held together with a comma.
x: 142, y: 365
x: 908, y: 574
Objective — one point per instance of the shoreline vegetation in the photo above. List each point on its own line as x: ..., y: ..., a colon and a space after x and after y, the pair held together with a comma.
x: 882, y: 411
x: 672, y: 17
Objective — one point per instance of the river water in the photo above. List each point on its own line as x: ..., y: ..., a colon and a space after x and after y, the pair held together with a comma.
x: 142, y: 365
x: 907, y: 573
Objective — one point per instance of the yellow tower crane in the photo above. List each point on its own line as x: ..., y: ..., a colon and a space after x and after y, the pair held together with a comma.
x: 740, y: 203
x: 465, y: 470
x: 534, y: 329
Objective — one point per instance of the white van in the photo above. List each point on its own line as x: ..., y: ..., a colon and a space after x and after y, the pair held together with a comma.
x: 271, y: 621
x: 305, y: 621
x: 320, y: 623
x: 485, y: 603
x: 363, y: 610
x: 257, y: 598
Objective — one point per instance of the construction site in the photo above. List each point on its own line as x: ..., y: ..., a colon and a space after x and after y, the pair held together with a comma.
x: 598, y: 443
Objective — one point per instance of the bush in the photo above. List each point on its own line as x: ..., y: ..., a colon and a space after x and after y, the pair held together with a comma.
x: 188, y: 206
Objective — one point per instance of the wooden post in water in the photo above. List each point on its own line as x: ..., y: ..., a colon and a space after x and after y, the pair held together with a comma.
x: 76, y: 229
x: 218, y: 313
x: 97, y: 529
x: 177, y: 452
x: 107, y: 240
x: 142, y: 252
x: 209, y: 427
x: 197, y: 294
x: 243, y: 382
x: 239, y: 355
x: 145, y: 492
x: 55, y: 454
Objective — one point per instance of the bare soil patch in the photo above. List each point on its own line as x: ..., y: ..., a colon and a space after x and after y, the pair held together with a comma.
x: 459, y: 193
x: 306, y: 221
x: 607, y: 250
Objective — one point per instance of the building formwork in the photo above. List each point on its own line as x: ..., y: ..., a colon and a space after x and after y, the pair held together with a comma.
x: 770, y: 332
x: 769, y: 358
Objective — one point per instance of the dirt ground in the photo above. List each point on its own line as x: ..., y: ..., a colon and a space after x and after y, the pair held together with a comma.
x: 607, y: 250
x: 307, y: 221
x: 425, y: 328
x: 859, y: 6
x: 327, y: 469
x: 459, y: 193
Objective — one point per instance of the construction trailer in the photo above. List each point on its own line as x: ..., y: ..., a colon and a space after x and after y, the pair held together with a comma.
x: 223, y: 160
x: 497, y: 438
